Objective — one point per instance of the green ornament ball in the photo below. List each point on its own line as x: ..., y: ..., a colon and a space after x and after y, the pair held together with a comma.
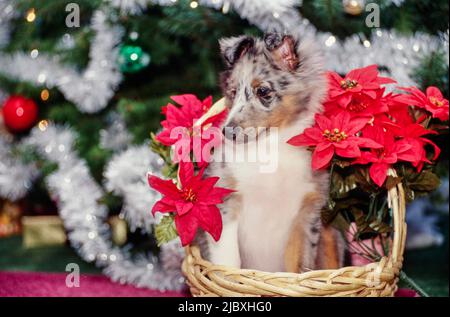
x: 132, y: 59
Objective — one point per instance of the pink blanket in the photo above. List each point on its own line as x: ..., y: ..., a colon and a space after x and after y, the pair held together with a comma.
x: 32, y: 284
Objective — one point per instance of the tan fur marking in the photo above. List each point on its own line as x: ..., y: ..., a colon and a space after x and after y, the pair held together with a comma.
x: 329, y: 253
x: 255, y: 83
x: 285, y: 114
x: 293, y: 251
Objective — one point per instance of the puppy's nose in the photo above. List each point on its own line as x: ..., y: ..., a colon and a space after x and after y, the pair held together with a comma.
x: 229, y: 127
x: 230, y: 130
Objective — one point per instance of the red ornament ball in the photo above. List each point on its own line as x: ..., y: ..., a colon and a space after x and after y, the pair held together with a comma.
x: 19, y: 113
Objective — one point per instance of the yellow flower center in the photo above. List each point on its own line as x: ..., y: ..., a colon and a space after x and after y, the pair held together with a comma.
x: 189, y: 195
x: 436, y: 102
x: 357, y: 107
x: 348, y: 84
x: 335, y: 135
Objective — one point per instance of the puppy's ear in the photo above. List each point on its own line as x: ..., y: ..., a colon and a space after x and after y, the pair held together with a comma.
x: 283, y: 49
x: 233, y: 48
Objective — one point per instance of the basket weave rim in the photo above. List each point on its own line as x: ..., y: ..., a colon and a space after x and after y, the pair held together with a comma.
x: 374, y: 279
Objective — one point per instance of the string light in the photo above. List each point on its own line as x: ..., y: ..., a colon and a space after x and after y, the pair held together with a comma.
x: 366, y: 43
x: 41, y: 78
x: 194, y: 4
x: 226, y: 7
x: 330, y: 41
x: 45, y: 94
x: 134, y: 35
x: 42, y: 125
x: 34, y: 53
x: 134, y: 57
x: 31, y: 15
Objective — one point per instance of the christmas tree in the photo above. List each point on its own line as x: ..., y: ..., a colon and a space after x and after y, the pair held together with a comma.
x: 82, y: 84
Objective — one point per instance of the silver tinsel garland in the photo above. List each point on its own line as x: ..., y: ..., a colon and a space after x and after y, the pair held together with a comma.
x: 16, y: 178
x: 125, y: 175
x: 90, y: 90
x: 78, y: 196
x: 115, y: 136
x: 398, y: 53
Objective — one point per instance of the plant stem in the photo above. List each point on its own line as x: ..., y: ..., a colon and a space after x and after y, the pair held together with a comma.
x: 405, y: 278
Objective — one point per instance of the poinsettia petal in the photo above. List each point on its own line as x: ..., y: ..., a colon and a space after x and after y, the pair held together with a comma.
x: 409, y: 100
x: 162, y: 207
x: 185, y: 172
x: 401, y: 146
x: 434, y: 92
x: 186, y: 100
x: 321, y: 159
x: 165, y: 187
x: 364, y: 74
x: 378, y: 173
x: 385, y: 80
x: 437, y: 150
x: 301, y: 140
x: 323, y: 146
x: 314, y: 133
x: 372, y: 94
x: 322, y: 121
x: 207, y: 102
x: 164, y: 138
x: 351, y: 151
x: 334, y: 78
x: 367, y: 143
x: 217, y: 195
x: 210, y: 220
x: 344, y: 100
x: 410, y: 156
x: 175, y: 117
x: 187, y: 226
x: 356, y: 125
x: 183, y: 207
x: 365, y: 158
x: 204, y: 186
x: 340, y: 121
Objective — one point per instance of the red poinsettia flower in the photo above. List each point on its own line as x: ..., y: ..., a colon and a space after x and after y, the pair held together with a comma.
x: 179, y: 129
x: 433, y: 101
x: 398, y: 111
x: 382, y: 159
x: 337, y: 135
x: 358, y: 82
x: 194, y: 202
x: 360, y: 105
x: 413, y: 133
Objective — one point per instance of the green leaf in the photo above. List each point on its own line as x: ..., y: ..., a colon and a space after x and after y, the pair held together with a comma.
x: 166, y: 231
x: 425, y: 181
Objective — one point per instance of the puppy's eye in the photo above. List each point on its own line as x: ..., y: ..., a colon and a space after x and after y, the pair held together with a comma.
x: 233, y: 93
x: 263, y: 92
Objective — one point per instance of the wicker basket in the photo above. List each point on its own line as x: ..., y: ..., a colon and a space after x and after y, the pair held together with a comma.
x: 376, y: 279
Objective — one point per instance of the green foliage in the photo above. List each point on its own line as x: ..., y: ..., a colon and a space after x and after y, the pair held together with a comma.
x: 433, y: 71
x: 355, y: 198
x: 430, y: 16
x: 166, y: 231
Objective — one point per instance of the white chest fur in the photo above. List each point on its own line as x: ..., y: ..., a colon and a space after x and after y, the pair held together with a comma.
x: 270, y: 201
